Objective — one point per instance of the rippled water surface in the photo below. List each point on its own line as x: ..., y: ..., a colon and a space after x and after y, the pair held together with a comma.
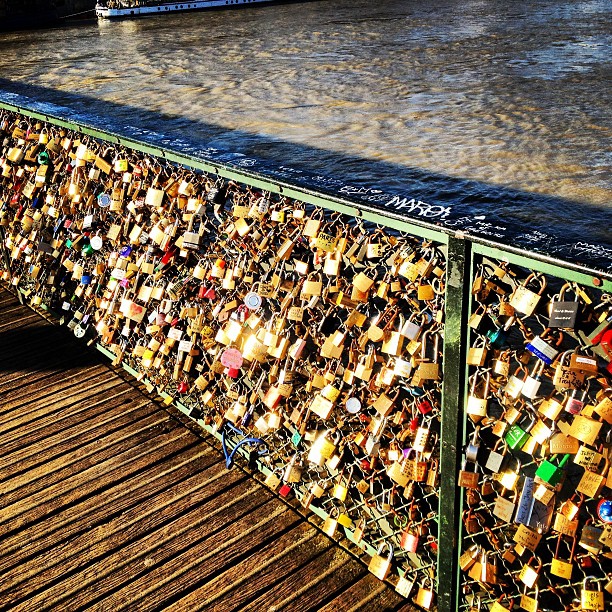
x: 408, y: 95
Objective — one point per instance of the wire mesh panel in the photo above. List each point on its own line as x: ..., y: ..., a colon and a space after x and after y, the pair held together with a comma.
x: 537, y: 514
x: 307, y: 338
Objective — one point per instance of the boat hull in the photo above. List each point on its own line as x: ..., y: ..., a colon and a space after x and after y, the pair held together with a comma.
x: 171, y: 7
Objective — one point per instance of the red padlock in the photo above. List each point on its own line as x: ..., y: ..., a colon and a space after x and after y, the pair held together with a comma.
x: 285, y: 490
x: 210, y: 293
x: 606, y: 343
x: 424, y: 406
x: 182, y: 387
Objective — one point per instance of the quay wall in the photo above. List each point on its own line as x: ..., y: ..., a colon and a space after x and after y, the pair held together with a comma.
x: 21, y: 14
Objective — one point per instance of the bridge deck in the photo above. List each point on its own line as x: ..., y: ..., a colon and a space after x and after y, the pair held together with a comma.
x: 109, y: 502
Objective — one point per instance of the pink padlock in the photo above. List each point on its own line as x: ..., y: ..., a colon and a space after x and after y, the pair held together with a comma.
x: 409, y: 539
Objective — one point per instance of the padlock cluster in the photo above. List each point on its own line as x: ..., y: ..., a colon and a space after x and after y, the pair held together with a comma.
x: 537, y: 519
x: 315, y: 335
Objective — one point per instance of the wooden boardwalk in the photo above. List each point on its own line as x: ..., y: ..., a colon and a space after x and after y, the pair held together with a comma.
x: 108, y: 502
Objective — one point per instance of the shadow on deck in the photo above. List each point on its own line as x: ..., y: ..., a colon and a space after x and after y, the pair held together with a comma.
x: 109, y: 502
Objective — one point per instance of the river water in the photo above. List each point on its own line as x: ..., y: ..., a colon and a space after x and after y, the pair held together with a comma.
x: 496, y: 107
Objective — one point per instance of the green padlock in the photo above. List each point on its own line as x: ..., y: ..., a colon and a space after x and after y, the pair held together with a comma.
x: 87, y: 250
x: 517, y: 435
x: 551, y: 473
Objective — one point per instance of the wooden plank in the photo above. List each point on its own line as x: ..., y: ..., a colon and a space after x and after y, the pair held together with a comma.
x: 24, y: 335
x: 9, y: 320
x: 265, y: 570
x: 32, y: 347
x: 8, y: 306
x: 312, y: 584
x: 202, y: 560
x: 102, y: 551
x: 14, y: 381
x: 368, y: 593
x: 37, y: 383
x: 96, y: 479
x: 99, y: 434
x: 173, y: 473
x: 7, y: 297
x: 30, y: 427
x: 62, y: 401
x: 48, y: 473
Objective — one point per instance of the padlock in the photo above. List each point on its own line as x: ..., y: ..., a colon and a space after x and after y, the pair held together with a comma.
x: 495, y: 458
x: 590, y: 537
x: 518, y: 434
x: 529, y: 574
x: 588, y: 458
x: 563, y: 313
x: 592, y: 483
x: 409, y: 538
x: 583, y: 364
x: 477, y: 354
x: 379, y: 565
x: 543, y: 350
x: 471, y: 451
x: 575, y: 402
x: 504, y: 508
x: 415, y: 467
x: 550, y: 473
x: 515, y: 383
x: 509, y: 478
x: 293, y: 471
x: 330, y: 524
x: 591, y: 598
x: 476, y: 406
x: 428, y: 370
x: 497, y: 337
x: 565, y: 377
x: 524, y: 299
x: 531, y: 384
x: 528, y: 603
x: 560, y: 568
x: 341, y: 488
x: 497, y: 605
x: 469, y: 557
x: 489, y: 569
x: 472, y: 521
x: 501, y: 364
x: 323, y: 447
x: 560, y: 443
x: 468, y: 480
x: 424, y: 597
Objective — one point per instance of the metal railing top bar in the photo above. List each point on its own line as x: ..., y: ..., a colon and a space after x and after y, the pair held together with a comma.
x: 351, y: 206
x: 543, y: 263
x: 426, y: 230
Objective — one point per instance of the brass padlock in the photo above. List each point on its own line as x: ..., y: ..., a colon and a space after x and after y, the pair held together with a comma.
x: 525, y: 300
x: 529, y: 574
x: 424, y: 597
x: 591, y: 599
x: 379, y: 565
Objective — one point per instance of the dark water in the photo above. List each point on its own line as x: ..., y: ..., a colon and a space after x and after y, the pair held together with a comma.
x: 497, y: 108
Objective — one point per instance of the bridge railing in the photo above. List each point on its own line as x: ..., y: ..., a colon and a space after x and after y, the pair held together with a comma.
x: 440, y: 400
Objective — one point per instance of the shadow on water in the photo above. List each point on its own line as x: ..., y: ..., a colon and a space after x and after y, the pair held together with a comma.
x: 45, y: 347
x: 532, y: 221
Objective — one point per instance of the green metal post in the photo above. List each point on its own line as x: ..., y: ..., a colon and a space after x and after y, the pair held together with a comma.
x: 453, y: 391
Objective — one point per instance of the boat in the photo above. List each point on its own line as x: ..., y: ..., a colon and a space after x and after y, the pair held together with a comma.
x: 118, y: 9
